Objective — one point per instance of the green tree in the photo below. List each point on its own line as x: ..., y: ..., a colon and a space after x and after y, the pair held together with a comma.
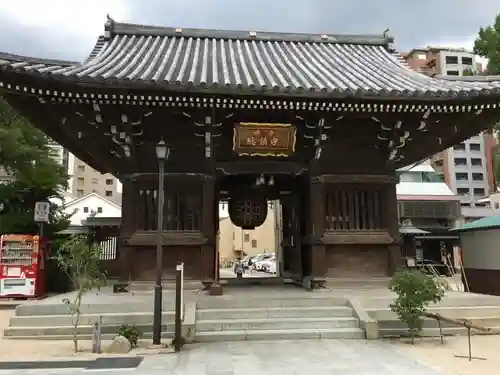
x: 487, y: 44
x: 36, y: 175
x: 79, y: 257
x: 468, y: 72
x: 415, y: 290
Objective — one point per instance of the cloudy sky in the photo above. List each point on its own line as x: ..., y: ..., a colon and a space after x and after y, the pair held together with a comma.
x: 67, y: 29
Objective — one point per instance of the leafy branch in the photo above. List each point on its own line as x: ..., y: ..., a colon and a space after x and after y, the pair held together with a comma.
x: 79, y: 256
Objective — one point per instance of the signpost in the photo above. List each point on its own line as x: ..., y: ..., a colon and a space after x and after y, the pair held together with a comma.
x: 179, y: 308
x: 42, y: 212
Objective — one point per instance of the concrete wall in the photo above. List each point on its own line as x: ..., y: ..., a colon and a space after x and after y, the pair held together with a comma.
x: 481, y: 249
x: 481, y: 260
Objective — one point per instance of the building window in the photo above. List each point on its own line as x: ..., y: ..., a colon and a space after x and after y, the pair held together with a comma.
x: 81, y: 168
x: 497, y: 205
x: 99, y: 210
x: 451, y: 59
x: 479, y: 192
x: 476, y: 162
x: 463, y: 191
x: 95, y: 180
x: 467, y: 60
x: 79, y: 193
x: 452, y: 73
x: 461, y: 176
x: 246, y: 238
x: 109, y: 181
x: 422, y: 56
x: 80, y: 181
x: 478, y: 177
x: 460, y: 161
x: 460, y: 146
x: 254, y: 243
x: 85, y: 209
x: 475, y: 146
x: 108, y: 193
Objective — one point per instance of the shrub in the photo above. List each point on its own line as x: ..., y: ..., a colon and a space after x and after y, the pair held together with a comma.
x: 131, y: 333
x: 415, y: 291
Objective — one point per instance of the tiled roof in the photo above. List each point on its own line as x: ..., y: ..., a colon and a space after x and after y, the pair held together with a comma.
x: 214, y: 61
x: 492, y: 222
x: 33, y: 63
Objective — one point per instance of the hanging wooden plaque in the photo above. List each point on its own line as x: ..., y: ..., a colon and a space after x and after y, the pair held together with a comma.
x: 263, y: 139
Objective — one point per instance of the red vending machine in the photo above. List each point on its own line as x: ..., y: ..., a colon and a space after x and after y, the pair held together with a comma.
x: 22, y: 266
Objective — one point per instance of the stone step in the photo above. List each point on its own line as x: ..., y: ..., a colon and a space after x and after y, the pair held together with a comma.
x: 68, y: 330
x: 105, y: 336
x: 280, y: 334
x: 114, y: 304
x: 274, y: 312
x: 487, y: 322
x: 143, y: 318
x: 148, y: 286
x: 432, y: 332
x: 453, y: 312
x: 276, y: 324
x: 279, y: 301
x: 451, y: 300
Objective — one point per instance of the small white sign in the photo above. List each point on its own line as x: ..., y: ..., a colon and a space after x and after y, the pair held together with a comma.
x: 42, y: 210
x: 179, y: 267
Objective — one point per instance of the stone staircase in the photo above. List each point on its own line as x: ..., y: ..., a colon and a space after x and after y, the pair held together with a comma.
x: 275, y: 319
x: 483, y: 310
x: 60, y: 327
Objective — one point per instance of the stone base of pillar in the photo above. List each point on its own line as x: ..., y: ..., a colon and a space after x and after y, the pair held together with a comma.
x: 215, y: 289
x: 317, y: 283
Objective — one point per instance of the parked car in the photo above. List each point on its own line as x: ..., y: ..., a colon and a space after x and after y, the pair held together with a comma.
x: 266, y: 264
x: 258, y: 259
x: 272, y: 268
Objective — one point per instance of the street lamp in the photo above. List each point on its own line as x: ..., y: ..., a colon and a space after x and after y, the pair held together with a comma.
x: 162, y: 154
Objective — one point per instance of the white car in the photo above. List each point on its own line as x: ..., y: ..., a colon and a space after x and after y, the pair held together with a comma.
x: 272, y: 268
x: 267, y: 264
x: 258, y: 265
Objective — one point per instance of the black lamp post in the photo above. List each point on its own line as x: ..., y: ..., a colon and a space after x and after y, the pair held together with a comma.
x: 162, y: 154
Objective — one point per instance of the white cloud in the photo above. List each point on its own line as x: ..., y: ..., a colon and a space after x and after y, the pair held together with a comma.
x: 64, y: 15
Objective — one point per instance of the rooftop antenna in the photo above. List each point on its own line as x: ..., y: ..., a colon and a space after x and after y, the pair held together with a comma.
x: 386, y: 33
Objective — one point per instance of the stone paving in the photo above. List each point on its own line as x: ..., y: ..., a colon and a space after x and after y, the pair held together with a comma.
x: 302, y: 357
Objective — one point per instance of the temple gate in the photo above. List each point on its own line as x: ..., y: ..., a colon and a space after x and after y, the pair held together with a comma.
x: 327, y: 118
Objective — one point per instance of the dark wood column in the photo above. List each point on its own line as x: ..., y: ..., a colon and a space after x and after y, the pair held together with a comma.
x: 316, y: 231
x: 127, y: 228
x: 392, y: 224
x: 208, y: 228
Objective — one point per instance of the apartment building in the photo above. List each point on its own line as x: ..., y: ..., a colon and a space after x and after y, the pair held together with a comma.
x: 467, y: 168
x: 85, y: 180
x: 442, y: 61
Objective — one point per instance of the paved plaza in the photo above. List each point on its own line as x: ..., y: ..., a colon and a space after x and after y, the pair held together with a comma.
x: 302, y: 357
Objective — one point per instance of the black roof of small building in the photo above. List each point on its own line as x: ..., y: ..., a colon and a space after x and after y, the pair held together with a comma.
x: 215, y: 61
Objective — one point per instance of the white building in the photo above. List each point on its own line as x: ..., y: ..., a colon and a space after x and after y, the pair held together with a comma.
x: 422, y: 182
x: 91, y: 204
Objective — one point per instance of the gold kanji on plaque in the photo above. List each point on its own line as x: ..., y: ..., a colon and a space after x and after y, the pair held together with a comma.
x: 264, y: 139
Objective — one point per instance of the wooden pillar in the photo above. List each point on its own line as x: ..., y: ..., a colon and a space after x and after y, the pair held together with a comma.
x: 208, y: 250
x: 394, y: 260
x: 127, y: 228
x: 316, y: 230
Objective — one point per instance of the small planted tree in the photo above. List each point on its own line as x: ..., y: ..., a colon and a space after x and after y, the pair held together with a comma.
x: 78, y: 257
x: 415, y: 291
